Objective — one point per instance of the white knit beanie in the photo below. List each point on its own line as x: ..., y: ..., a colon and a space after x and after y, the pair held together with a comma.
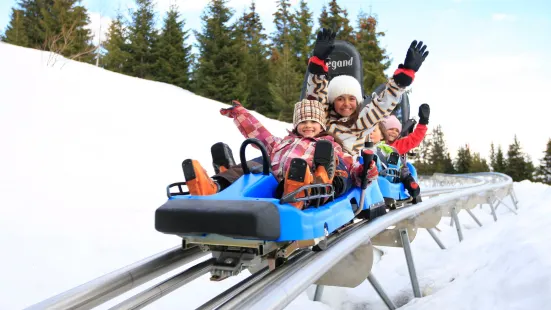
x: 344, y: 85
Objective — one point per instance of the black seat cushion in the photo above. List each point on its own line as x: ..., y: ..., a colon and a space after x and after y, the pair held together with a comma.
x: 250, y: 219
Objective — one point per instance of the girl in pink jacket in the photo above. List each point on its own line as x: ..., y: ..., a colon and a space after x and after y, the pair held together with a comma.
x: 308, y: 147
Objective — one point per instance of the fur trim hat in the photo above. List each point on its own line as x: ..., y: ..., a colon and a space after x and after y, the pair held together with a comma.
x: 392, y: 122
x: 344, y: 85
x: 309, y: 110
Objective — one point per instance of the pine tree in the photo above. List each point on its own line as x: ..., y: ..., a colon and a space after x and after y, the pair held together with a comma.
x: 174, y: 56
x: 285, y: 85
x: 15, y: 32
x: 219, y: 72
x: 257, y: 66
x: 303, y: 36
x: 116, y: 45
x: 375, y: 60
x: 337, y: 20
x: 286, y: 82
x: 32, y: 21
x: 479, y: 164
x: 464, y: 160
x: 516, y: 163
x: 492, y: 156
x: 500, y: 162
x: 59, y: 26
x: 421, y: 158
x: 81, y: 47
x: 438, y: 151
x: 283, y: 19
x: 65, y: 30
x: 142, y: 37
x: 543, y: 172
x: 448, y: 165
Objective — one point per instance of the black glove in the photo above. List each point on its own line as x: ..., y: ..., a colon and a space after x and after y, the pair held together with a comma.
x: 415, y: 56
x: 325, y: 44
x: 424, y: 112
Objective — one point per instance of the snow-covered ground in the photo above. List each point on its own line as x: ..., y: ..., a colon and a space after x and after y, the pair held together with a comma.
x: 85, y: 158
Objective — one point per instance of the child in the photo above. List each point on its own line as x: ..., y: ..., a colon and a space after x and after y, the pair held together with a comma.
x: 405, y: 144
x: 378, y: 137
x: 343, y: 97
x: 307, y: 148
x: 411, y: 141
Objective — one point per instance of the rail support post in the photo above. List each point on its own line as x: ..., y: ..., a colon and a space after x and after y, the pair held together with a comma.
x: 513, y: 197
x: 474, y: 217
x: 506, y: 205
x: 435, y: 237
x: 409, y: 260
x: 457, y: 224
x: 379, y: 289
x: 318, y: 292
x: 491, y: 204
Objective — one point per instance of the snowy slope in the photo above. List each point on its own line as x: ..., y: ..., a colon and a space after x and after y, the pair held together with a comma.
x: 87, y: 153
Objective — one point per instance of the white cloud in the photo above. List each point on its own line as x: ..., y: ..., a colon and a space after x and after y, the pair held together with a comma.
x: 503, y: 17
x: 98, y: 25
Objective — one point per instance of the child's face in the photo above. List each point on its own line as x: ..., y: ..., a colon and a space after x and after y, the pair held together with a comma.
x: 309, y: 129
x: 345, y: 105
x: 392, y: 134
x: 376, y: 135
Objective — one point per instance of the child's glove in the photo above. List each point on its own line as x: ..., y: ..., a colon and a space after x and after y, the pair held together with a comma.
x: 325, y: 44
x: 232, y: 111
x: 424, y: 112
x: 405, y: 74
x: 357, y: 169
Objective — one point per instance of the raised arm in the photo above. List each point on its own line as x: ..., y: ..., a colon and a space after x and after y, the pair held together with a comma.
x: 316, y: 88
x: 383, y: 105
x: 249, y: 126
x: 415, y: 138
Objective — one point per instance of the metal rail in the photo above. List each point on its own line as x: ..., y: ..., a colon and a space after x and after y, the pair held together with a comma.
x: 118, y: 282
x: 276, y: 289
x: 276, y: 293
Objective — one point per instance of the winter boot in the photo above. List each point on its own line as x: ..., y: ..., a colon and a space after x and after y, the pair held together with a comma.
x: 324, y: 167
x: 222, y: 157
x: 297, y: 176
x: 411, y: 186
x: 197, y: 179
x: 324, y: 162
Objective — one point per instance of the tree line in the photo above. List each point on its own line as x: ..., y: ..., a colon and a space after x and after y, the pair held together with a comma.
x: 433, y: 156
x: 239, y: 60
x: 235, y: 60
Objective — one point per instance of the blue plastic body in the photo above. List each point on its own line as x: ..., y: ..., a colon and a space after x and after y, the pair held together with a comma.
x: 396, y: 190
x: 297, y: 224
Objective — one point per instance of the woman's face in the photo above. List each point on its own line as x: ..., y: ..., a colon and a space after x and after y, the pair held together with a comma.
x: 309, y: 129
x: 345, y: 105
x: 392, y: 134
x: 376, y: 135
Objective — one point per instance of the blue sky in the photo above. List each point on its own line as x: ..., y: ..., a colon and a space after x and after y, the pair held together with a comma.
x: 487, y: 74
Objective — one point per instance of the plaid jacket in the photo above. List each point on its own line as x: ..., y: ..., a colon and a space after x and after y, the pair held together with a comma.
x: 283, y: 150
x: 353, y: 137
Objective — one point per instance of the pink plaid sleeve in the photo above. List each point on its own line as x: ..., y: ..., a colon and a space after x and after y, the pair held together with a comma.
x: 250, y: 127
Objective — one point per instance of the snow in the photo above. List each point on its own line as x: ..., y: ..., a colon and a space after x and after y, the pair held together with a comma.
x: 87, y: 153
x: 502, y: 265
